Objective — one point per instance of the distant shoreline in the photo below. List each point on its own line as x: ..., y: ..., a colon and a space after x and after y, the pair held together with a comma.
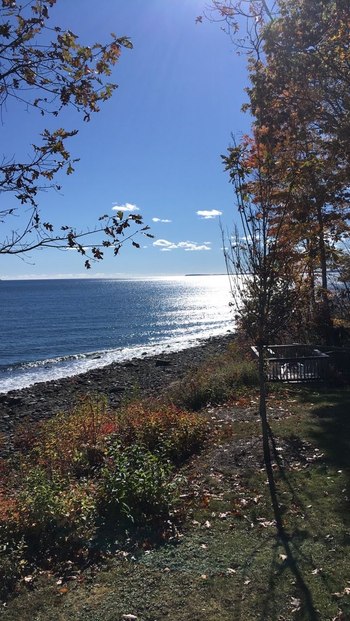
x: 106, y: 277
x: 206, y: 274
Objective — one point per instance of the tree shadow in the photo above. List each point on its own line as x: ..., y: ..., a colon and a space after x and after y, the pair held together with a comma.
x: 237, y: 613
x: 295, y: 560
x: 330, y: 431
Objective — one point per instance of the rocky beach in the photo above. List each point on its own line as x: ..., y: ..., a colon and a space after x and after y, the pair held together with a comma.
x: 146, y: 375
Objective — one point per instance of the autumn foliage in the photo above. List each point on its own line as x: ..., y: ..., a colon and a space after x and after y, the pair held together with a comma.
x: 293, y: 169
x: 74, y: 473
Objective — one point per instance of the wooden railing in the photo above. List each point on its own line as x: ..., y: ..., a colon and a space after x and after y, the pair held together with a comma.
x: 295, y: 363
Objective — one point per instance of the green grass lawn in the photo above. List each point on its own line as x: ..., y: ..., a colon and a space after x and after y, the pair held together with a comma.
x: 226, y: 562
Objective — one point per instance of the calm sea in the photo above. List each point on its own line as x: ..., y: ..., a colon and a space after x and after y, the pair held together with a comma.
x: 57, y: 328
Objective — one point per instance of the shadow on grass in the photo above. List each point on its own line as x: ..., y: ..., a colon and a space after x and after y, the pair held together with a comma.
x: 296, y: 561
x: 284, y: 539
x: 331, y: 430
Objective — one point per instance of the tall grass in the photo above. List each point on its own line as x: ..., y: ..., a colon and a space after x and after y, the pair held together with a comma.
x: 216, y: 381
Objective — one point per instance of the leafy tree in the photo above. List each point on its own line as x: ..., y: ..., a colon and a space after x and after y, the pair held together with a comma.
x: 318, y: 206
x: 299, y: 59
x: 47, y: 70
x: 290, y: 178
x: 259, y: 266
x: 264, y: 294
x: 306, y: 66
x: 258, y: 259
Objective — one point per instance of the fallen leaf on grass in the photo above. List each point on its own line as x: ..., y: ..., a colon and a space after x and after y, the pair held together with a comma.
x: 345, y: 592
x: 295, y: 604
x: 340, y: 616
x: 124, y: 554
x: 223, y: 516
x: 265, y: 523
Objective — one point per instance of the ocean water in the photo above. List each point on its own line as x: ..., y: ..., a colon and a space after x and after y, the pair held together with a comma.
x: 56, y: 328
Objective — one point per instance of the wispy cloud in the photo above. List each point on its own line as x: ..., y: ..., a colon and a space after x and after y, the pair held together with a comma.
x: 164, y: 244
x: 125, y: 207
x: 209, y: 214
x: 161, y: 220
x: 188, y: 246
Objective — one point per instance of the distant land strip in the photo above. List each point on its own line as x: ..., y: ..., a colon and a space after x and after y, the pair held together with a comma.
x: 224, y: 274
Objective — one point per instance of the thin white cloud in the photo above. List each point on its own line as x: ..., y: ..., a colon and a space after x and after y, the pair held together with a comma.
x: 188, y: 246
x: 161, y: 220
x: 164, y: 243
x: 125, y: 207
x: 193, y: 246
x: 209, y: 214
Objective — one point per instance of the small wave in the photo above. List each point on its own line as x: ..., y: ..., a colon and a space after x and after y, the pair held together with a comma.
x: 24, y: 375
x: 47, y: 362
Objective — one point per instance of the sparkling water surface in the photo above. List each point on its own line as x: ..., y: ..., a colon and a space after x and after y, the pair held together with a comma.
x: 56, y: 328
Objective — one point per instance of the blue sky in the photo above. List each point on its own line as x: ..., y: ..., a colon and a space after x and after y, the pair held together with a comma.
x: 155, y: 145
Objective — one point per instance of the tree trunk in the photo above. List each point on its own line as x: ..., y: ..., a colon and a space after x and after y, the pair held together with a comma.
x: 322, y: 250
x: 265, y: 436
x: 325, y: 315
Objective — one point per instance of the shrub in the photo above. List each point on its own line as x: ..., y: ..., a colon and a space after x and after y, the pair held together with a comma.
x: 215, y: 382
x: 54, y: 513
x: 164, y: 429
x: 75, y: 461
x: 135, y: 485
x: 77, y: 471
x: 12, y: 559
x: 72, y: 442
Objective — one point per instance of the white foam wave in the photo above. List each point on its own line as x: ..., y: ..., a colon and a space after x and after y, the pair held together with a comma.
x: 55, y: 369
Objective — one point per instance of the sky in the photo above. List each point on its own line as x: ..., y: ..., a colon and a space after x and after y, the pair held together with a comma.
x: 154, y: 147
